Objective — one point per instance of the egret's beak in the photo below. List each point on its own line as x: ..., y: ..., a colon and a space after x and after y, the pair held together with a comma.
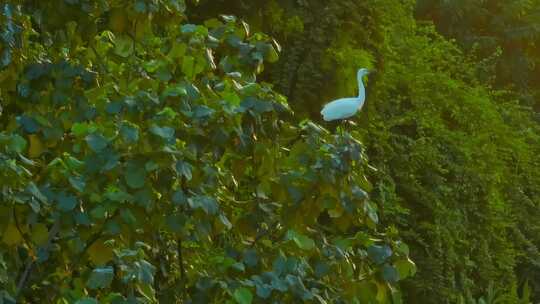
x: 372, y: 71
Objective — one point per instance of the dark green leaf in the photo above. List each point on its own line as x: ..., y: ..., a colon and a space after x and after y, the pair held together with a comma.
x: 202, y: 111
x: 321, y: 269
x: 389, y: 273
x: 279, y: 265
x: 263, y: 291
x: 188, y: 28
x: 77, y: 182
x: 28, y: 124
x: 112, y: 227
x: 114, y: 107
x: 34, y: 190
x: 17, y: 144
x: 379, y: 254
x: 145, y: 272
x: 66, y: 202
x: 179, y: 198
x: 128, y: 217
x: 163, y: 132
x: 135, y: 176
x: 302, y: 241
x: 100, y: 278
x: 174, y: 91
x: 96, y: 142
x: 117, y: 195
x: 250, y: 258
x: 208, y: 204
x: 129, y: 132
x: 144, y: 198
x: 256, y: 105
x: 176, y: 222
x: 184, y: 168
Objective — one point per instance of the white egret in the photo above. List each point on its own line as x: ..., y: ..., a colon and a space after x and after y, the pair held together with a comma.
x: 346, y: 107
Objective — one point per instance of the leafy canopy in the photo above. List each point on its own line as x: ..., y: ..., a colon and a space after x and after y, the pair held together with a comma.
x: 142, y: 161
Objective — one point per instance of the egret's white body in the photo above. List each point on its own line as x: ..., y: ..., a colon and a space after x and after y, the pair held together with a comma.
x: 346, y: 107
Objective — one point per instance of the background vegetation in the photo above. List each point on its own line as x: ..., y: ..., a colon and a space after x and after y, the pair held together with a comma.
x: 152, y: 151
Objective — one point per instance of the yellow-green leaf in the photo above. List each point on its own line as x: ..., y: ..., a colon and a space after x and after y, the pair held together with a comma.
x: 11, y: 235
x: 99, y: 253
x: 40, y: 234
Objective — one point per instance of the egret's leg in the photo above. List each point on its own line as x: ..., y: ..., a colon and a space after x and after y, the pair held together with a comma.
x: 347, y: 124
x: 350, y: 124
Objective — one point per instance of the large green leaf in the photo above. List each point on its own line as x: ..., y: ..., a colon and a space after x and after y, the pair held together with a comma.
x: 66, y: 202
x: 379, y: 253
x: 207, y: 203
x: 301, y: 240
x: 96, y: 142
x: 17, y: 144
x: 129, y: 132
x: 123, y: 45
x: 405, y: 268
x: 100, y: 278
x: 184, y: 168
x: 135, y: 175
x: 243, y: 295
x: 163, y: 132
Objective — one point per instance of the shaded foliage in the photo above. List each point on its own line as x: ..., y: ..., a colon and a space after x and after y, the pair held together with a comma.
x: 141, y: 161
x: 505, y: 33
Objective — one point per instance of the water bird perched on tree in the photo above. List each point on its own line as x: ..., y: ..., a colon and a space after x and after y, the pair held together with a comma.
x: 346, y: 107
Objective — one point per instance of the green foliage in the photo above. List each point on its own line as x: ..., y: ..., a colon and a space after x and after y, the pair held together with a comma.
x: 504, y: 33
x: 452, y: 131
x: 142, y: 162
x: 142, y: 159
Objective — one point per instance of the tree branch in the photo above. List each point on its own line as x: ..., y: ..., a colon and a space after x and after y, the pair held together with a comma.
x: 30, y: 261
x: 182, y: 269
x: 26, y: 241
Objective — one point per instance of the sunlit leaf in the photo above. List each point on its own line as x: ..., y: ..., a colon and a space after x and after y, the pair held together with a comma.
x: 123, y: 45
x: 243, y: 296
x: 99, y: 253
x: 302, y: 241
x: 40, y: 234
x: 405, y: 268
x: 11, y: 235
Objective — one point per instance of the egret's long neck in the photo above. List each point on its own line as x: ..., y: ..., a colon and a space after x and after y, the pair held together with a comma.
x: 361, y: 88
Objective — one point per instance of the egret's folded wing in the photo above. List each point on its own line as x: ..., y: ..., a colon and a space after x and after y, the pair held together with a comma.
x: 340, y: 109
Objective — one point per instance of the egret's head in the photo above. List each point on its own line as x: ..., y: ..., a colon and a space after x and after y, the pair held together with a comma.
x: 362, y: 72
